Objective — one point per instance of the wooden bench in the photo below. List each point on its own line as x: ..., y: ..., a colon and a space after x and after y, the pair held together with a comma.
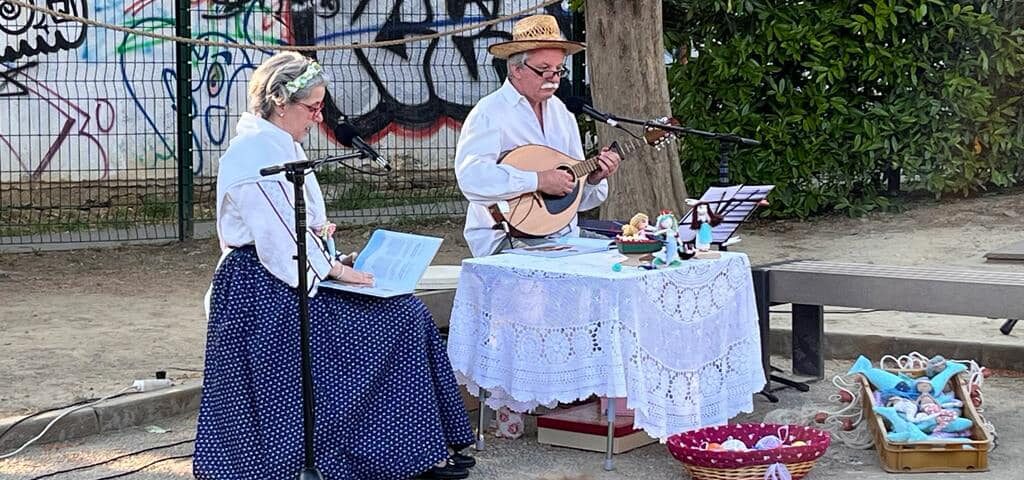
x: 810, y: 285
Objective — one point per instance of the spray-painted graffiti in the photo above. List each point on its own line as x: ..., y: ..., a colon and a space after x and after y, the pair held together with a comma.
x: 107, y: 101
x: 418, y: 91
x: 218, y: 89
x: 24, y: 32
x: 70, y: 140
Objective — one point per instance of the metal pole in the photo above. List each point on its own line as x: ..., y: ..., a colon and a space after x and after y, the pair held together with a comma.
x: 309, y: 471
x: 183, y: 104
x: 609, y: 462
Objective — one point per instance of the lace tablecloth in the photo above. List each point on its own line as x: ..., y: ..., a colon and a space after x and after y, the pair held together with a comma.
x: 682, y: 344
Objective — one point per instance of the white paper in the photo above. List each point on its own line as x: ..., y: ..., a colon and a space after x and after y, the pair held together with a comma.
x: 396, y: 260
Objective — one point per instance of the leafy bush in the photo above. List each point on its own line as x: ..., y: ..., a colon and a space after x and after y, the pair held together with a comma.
x: 839, y: 90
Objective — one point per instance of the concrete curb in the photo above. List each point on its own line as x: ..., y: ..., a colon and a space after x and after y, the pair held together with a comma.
x: 115, y: 414
x: 846, y: 345
x: 143, y: 408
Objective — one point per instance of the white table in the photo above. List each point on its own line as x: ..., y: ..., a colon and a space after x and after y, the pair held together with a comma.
x: 681, y: 344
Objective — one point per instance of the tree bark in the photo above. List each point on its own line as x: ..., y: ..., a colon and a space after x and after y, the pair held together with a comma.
x: 625, y: 58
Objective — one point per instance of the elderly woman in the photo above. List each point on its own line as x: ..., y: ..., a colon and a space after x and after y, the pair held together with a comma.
x: 387, y: 406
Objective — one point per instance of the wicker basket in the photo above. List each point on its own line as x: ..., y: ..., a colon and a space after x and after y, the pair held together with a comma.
x: 757, y: 472
x: 752, y: 464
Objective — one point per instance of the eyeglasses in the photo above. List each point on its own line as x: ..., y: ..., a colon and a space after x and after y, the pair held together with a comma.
x: 561, y: 72
x: 314, y: 108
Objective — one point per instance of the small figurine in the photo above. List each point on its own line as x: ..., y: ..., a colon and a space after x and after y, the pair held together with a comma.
x: 667, y: 225
x: 703, y: 220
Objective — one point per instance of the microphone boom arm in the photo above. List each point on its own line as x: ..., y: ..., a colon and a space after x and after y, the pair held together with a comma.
x: 302, y: 165
x: 725, y: 137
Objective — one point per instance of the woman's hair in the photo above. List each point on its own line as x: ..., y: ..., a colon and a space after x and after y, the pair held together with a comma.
x: 282, y: 79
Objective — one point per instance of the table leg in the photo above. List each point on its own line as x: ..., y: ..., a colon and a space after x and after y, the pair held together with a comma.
x: 481, y: 424
x: 609, y: 463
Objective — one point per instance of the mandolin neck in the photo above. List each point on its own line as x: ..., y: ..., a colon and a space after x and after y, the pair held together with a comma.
x: 591, y: 165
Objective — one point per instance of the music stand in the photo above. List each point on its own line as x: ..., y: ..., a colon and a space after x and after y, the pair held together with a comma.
x: 734, y: 204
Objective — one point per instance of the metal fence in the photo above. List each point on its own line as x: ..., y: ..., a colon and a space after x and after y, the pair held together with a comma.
x: 89, y: 151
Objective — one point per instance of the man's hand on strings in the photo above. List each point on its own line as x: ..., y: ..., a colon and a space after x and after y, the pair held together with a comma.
x: 608, y: 161
x: 555, y: 182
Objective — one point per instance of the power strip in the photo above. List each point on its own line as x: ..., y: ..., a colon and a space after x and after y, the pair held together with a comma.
x: 151, y: 384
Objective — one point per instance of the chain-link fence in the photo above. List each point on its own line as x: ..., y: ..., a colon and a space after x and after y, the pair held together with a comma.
x: 89, y: 150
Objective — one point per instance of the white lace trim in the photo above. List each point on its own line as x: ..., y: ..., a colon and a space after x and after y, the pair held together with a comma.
x: 689, y: 360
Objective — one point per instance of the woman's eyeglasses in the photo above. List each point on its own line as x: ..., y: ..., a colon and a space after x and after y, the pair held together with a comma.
x: 314, y: 108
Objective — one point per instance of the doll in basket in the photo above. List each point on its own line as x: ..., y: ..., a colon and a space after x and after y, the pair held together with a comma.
x: 637, y: 230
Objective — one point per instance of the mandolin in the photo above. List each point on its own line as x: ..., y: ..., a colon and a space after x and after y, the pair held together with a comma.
x: 538, y: 214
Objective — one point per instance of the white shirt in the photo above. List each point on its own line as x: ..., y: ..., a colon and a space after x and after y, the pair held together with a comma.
x: 257, y: 210
x: 498, y: 123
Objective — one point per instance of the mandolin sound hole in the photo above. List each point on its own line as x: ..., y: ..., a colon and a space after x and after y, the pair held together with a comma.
x: 558, y: 204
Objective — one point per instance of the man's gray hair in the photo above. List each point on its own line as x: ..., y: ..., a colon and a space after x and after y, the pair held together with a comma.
x: 518, y: 59
x: 267, y: 87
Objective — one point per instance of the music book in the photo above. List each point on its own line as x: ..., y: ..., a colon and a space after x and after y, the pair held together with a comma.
x: 396, y: 260
x: 564, y: 247
x: 734, y: 203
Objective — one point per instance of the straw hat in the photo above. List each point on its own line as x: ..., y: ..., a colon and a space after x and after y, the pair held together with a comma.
x: 533, y: 32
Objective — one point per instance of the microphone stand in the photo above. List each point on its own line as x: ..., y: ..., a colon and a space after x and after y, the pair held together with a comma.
x: 727, y: 142
x: 296, y: 173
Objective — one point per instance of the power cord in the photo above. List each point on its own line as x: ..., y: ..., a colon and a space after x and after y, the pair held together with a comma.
x: 66, y: 413
x: 178, y: 457
x: 48, y: 410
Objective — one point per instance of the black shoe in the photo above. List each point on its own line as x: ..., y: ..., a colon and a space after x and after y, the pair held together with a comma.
x: 447, y: 472
x: 462, y: 461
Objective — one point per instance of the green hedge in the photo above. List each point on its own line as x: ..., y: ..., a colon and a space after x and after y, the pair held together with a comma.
x: 839, y: 90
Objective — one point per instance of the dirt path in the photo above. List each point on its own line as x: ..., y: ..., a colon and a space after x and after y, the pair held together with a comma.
x: 86, y: 323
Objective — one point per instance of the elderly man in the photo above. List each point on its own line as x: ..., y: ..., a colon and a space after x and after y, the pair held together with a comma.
x: 523, y: 111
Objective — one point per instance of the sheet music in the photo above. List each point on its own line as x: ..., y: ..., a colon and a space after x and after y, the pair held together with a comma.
x: 734, y: 203
x: 396, y: 260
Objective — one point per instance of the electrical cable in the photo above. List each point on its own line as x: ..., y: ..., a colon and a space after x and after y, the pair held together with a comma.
x: 119, y: 457
x: 52, y: 422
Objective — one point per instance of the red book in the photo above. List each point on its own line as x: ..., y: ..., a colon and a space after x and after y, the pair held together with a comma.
x: 585, y: 427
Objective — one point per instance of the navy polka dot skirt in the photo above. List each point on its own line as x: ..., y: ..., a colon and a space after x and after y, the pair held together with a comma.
x: 387, y: 405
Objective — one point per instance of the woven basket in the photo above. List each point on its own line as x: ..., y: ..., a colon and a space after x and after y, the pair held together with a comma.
x: 752, y: 464
x: 757, y: 472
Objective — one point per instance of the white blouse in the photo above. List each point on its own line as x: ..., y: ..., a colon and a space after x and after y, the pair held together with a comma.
x: 499, y: 122
x: 257, y: 210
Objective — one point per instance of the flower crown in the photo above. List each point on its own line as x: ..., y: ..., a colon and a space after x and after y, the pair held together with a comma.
x: 301, y: 81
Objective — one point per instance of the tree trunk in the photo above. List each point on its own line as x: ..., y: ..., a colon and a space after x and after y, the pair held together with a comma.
x: 625, y: 58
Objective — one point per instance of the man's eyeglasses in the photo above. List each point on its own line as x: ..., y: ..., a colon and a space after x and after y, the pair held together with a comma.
x: 560, y: 72
x: 314, y: 108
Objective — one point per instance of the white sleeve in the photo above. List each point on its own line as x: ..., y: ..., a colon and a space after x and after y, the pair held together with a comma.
x: 481, y: 178
x: 268, y: 211
x: 593, y: 195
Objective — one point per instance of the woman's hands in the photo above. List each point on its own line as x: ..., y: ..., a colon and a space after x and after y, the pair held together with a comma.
x: 347, y: 274
x: 341, y: 269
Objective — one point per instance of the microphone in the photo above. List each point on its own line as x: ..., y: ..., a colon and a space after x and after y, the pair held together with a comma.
x: 578, y: 106
x: 348, y: 137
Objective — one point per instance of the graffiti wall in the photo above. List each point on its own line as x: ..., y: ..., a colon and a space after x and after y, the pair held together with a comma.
x: 86, y: 103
